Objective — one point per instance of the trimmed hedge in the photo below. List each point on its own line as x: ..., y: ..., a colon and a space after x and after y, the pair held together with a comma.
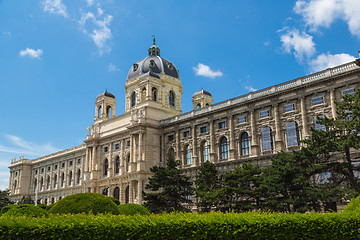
x: 85, y: 203
x: 27, y: 210
x: 184, y: 226
x: 353, y: 206
x: 6, y: 208
x: 116, y: 201
x: 133, y: 209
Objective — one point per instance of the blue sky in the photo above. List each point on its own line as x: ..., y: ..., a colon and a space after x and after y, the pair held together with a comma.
x: 56, y: 56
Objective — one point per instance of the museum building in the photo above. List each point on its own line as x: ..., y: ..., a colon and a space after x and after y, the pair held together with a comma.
x: 119, y: 150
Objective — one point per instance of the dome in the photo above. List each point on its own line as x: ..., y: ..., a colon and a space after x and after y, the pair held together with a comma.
x: 153, y: 65
x: 202, y: 91
x: 105, y: 94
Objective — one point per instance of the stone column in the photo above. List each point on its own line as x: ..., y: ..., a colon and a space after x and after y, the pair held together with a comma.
x: 232, y: 138
x: 212, y: 142
x: 194, y: 147
x: 178, y: 150
x: 332, y: 102
x: 141, y: 162
x: 133, y: 154
x: 140, y: 189
x: 122, y: 161
x: 305, y: 129
x: 121, y: 194
x: 131, y: 192
x: 278, y: 139
x: 254, y: 141
x: 111, y: 161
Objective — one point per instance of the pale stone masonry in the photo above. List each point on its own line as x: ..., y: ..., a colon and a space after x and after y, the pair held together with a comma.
x: 118, y: 152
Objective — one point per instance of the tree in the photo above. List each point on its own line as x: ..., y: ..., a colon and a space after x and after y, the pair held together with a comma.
x: 241, y: 189
x: 291, y: 183
x: 170, y: 189
x: 207, y: 185
x: 341, y: 135
x: 4, y: 199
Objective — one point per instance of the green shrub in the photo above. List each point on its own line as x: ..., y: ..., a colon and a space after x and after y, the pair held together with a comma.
x: 353, y: 206
x: 85, y: 203
x: 133, y: 209
x: 117, y: 202
x: 27, y: 210
x: 44, y: 206
x: 6, y: 208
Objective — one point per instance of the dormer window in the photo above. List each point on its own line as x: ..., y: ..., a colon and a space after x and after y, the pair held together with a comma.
x: 152, y: 63
x: 170, y: 66
x: 135, y: 67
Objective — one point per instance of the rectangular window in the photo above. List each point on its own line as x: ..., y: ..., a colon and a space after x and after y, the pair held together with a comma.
x: 203, y: 130
x: 317, y: 100
x: 106, y: 149
x: 128, y: 143
x: 292, y: 134
x: 170, y: 138
x: 70, y: 163
x: 242, y: 119
x: 42, y: 170
x: 318, y: 126
x: 222, y: 125
x: 289, y: 107
x: 55, y: 166
x: 117, y: 146
x: 79, y: 161
x: 36, y: 171
x: 62, y: 165
x: 349, y: 91
x: 186, y: 133
x: 264, y: 114
x: 266, y: 137
x: 48, y: 168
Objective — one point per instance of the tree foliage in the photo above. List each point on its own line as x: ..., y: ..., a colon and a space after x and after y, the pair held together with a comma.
x: 241, y: 190
x: 170, y: 189
x: 4, y: 199
x: 207, y: 186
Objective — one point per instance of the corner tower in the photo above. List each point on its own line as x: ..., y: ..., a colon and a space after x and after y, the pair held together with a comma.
x: 154, y: 82
x: 202, y: 99
x: 104, y: 106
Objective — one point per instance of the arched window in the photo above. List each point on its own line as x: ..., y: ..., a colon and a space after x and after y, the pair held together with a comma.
x: 292, y: 134
x: 117, y: 164
x: 116, y: 193
x: 99, y: 112
x: 55, y: 181
x: 245, y: 144
x: 106, y: 167
x: 35, y: 184
x: 224, y: 147
x: 133, y: 99
x: 48, y: 183
x: 188, y: 155
x: 205, y: 151
x: 154, y: 94
x: 128, y: 163
x: 266, y: 139
x: 109, y: 111
x: 78, y: 177
x: 70, y: 178
x: 62, y: 179
x: 171, y: 153
x: 171, y: 99
x: 198, y: 106
x: 127, y: 194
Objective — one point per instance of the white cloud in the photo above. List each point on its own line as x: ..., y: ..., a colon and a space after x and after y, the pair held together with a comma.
x: 322, y: 13
x: 301, y: 44
x: 101, y: 32
x: 31, y: 52
x: 7, y: 34
x: 90, y: 2
x: 328, y: 60
x: 55, y: 7
x: 21, y: 146
x: 250, y: 88
x: 267, y: 43
x: 205, y: 71
x: 112, y: 68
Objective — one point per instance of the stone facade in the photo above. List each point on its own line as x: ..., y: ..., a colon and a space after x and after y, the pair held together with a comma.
x: 119, y: 151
